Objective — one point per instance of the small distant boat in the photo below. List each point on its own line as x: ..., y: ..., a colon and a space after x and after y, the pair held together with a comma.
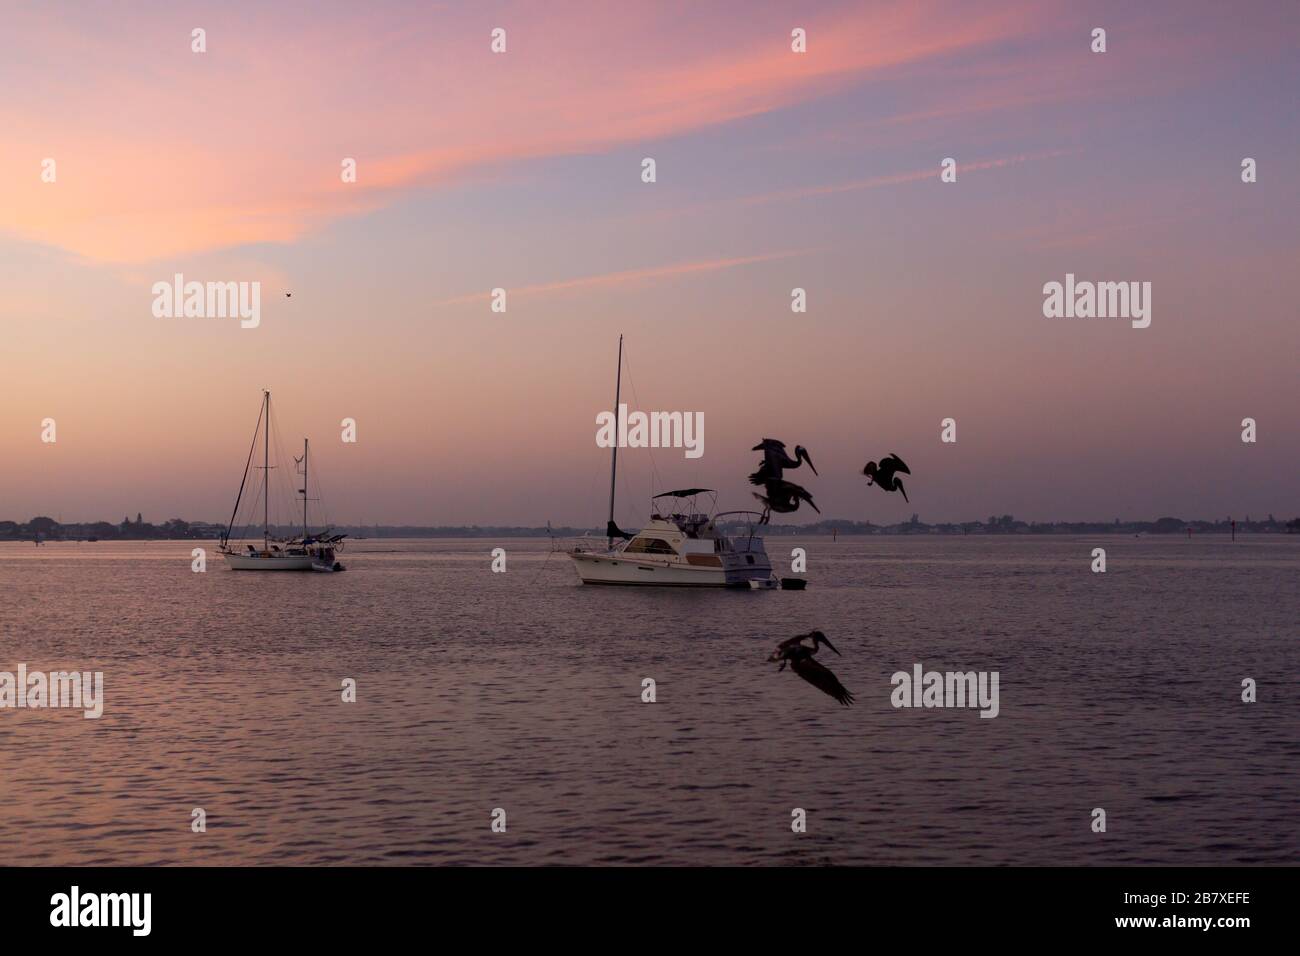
x: 682, y: 548
x: 307, y: 552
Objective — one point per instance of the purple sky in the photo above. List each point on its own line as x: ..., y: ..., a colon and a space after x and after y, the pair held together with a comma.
x: 775, y: 170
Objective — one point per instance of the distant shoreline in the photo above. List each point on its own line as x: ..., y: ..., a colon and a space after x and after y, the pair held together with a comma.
x: 47, y: 529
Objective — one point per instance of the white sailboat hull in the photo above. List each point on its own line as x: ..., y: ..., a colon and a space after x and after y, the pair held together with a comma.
x: 305, y: 553
x: 273, y: 562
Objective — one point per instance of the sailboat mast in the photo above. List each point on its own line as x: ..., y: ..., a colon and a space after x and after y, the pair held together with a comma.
x: 613, y: 464
x: 305, y: 486
x: 266, y: 474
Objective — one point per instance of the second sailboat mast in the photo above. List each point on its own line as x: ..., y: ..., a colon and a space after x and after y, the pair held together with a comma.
x: 266, y: 474
x: 613, y: 464
x: 304, y: 491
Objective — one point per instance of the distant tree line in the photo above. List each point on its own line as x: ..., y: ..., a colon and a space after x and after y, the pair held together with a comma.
x: 47, y: 529
x: 44, y: 528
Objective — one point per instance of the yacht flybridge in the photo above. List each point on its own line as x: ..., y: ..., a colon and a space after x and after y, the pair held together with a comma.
x: 306, y: 552
x: 682, y: 546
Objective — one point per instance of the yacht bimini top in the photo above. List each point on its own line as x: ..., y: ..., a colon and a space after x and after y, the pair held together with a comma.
x: 691, y: 521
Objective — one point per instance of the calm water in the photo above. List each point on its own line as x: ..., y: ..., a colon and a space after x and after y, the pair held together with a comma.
x: 522, y: 691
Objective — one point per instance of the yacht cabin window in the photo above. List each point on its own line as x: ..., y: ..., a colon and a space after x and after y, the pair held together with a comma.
x: 649, y: 546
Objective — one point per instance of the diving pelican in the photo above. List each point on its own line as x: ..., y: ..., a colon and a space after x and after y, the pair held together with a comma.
x: 798, y: 652
x: 885, y: 475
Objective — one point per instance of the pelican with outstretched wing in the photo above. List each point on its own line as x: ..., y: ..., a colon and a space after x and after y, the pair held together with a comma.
x: 798, y: 652
x: 775, y: 461
x: 783, y: 497
x: 885, y: 474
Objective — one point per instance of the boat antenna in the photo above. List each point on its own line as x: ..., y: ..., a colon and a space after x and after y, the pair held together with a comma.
x: 613, y: 465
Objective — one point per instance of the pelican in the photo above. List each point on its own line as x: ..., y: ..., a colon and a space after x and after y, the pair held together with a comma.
x: 783, y: 497
x: 884, y: 474
x: 775, y: 461
x: 798, y: 652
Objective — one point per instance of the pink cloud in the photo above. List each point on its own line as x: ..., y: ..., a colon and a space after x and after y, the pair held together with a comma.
x: 164, y: 152
x: 672, y: 270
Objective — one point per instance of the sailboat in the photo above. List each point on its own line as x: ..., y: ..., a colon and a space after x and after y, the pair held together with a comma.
x: 682, y: 547
x: 307, y: 552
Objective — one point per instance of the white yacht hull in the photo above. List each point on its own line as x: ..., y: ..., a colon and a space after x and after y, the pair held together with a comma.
x: 273, y: 562
x: 616, y: 567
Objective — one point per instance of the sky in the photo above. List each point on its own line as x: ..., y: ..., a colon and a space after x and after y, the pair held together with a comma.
x: 775, y: 170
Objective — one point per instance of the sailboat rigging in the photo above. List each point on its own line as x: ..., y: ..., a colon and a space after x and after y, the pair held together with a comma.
x: 307, y: 552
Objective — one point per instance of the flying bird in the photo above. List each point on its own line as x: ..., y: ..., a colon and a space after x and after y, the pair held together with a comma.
x: 783, y: 497
x: 885, y: 474
x: 798, y: 652
x: 778, y: 494
x: 288, y: 294
x: 775, y: 461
